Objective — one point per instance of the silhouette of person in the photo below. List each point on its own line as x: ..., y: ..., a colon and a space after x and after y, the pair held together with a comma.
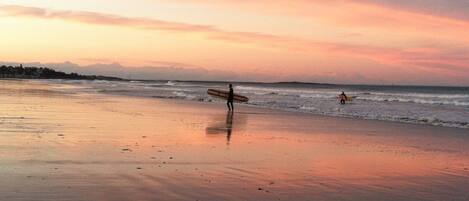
x: 229, y: 102
x: 229, y: 126
x: 343, y: 98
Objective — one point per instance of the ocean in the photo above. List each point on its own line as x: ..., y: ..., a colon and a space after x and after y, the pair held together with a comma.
x: 431, y: 105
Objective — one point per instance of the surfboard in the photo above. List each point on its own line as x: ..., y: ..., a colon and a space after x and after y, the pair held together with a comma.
x: 349, y: 98
x: 224, y: 95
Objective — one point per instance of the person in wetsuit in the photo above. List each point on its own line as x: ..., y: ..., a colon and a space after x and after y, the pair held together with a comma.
x: 229, y: 102
x: 343, y: 98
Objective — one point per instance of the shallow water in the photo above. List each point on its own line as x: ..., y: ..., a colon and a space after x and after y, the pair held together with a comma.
x: 439, y: 106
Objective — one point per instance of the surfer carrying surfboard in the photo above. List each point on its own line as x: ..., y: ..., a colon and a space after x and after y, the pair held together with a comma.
x: 230, y: 98
x: 343, y: 98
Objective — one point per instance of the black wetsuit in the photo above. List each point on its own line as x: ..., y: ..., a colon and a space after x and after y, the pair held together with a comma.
x: 229, y: 103
x: 343, y: 98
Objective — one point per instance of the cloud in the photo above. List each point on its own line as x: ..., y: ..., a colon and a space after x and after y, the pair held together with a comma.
x: 102, y: 19
x: 266, y: 40
x: 418, y: 15
x: 211, y: 32
x: 458, y: 9
x: 437, y: 56
x: 214, y: 33
x: 141, y: 23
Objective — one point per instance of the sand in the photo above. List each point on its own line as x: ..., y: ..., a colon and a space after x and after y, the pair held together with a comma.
x: 80, y: 146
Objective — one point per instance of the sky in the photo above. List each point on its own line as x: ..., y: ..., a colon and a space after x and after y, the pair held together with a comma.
x: 420, y: 42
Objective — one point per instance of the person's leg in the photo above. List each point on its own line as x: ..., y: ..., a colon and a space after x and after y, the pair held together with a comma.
x: 231, y: 103
x: 228, y: 104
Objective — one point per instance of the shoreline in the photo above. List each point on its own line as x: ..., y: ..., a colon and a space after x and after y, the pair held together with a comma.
x: 300, y: 113
x: 220, y: 102
x: 392, y: 111
x: 93, y: 146
x: 275, y: 111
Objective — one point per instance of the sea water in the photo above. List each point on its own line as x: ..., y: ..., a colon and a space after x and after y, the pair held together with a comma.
x: 433, y: 105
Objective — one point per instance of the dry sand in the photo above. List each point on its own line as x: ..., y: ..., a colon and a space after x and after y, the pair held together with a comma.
x: 65, y: 146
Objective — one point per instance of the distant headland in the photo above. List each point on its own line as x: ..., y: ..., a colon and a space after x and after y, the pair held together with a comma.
x: 20, y: 72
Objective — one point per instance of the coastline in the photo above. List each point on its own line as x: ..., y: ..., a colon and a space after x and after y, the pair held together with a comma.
x: 426, y: 106
x: 81, y: 146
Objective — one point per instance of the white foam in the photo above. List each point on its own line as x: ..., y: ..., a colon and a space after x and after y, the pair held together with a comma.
x: 440, y: 108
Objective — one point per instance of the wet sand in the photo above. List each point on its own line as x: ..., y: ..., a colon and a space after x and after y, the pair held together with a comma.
x: 64, y: 146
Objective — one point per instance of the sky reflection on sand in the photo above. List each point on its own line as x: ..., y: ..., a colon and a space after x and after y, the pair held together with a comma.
x: 91, y: 146
x: 226, y: 125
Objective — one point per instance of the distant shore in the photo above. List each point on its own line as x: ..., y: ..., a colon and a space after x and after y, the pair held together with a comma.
x: 20, y: 72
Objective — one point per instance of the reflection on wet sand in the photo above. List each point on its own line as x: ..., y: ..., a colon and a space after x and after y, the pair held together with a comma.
x: 224, y: 126
x: 229, y: 126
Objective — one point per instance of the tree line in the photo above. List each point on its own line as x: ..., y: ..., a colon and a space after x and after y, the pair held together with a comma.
x: 21, y: 72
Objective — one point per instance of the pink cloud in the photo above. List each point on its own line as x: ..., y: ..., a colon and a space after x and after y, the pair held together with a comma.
x: 408, y: 16
x: 434, y: 57
x: 101, y: 19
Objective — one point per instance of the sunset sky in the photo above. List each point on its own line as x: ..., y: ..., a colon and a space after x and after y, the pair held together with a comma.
x: 335, y: 41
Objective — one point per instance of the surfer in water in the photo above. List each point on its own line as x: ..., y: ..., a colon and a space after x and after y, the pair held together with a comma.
x: 229, y: 102
x: 343, y: 98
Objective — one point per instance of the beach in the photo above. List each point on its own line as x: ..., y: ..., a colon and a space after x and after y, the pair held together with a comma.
x: 59, y: 145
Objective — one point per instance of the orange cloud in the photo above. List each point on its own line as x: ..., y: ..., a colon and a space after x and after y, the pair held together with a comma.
x: 150, y: 24
x: 456, y: 9
x: 102, y: 19
x: 438, y: 56
x: 211, y: 32
x: 386, y: 16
